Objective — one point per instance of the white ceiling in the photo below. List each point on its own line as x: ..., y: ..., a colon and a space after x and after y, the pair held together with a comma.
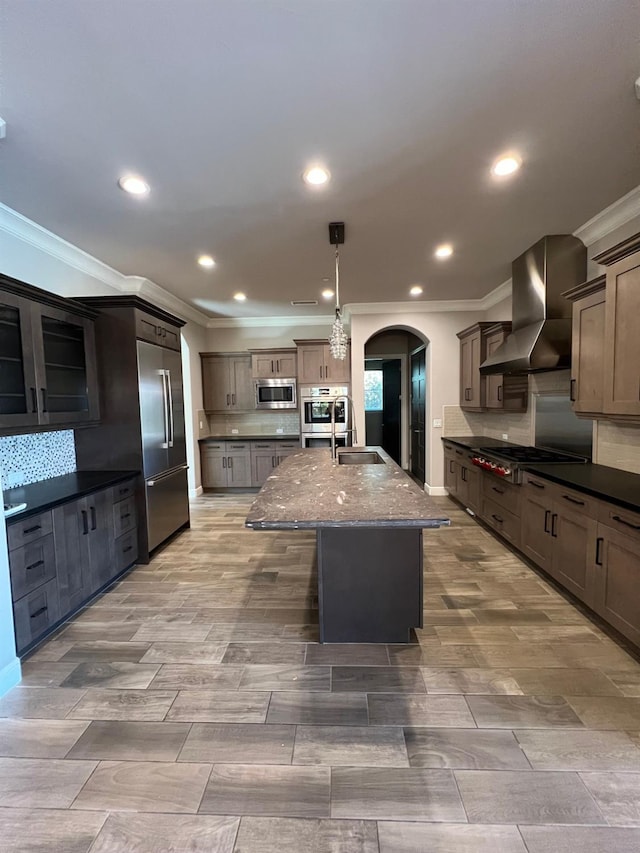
x: 221, y: 104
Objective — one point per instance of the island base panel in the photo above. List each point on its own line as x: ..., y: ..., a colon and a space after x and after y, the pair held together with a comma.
x: 369, y: 584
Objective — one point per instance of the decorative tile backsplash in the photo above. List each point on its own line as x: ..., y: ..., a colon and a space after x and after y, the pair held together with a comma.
x: 253, y: 423
x: 38, y: 456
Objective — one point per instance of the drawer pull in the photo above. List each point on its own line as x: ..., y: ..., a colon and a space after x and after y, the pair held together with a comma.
x: 123, y: 491
x: 460, y: 452
x: 38, y: 612
x: 534, y: 483
x: 499, y: 491
x: 599, y: 542
x: 626, y: 523
x: 31, y: 529
x: 35, y: 566
x: 128, y: 548
x: 573, y: 500
x: 498, y: 518
x: 126, y: 515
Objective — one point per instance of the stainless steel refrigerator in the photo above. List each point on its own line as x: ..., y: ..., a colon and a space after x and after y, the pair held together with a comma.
x: 164, y: 454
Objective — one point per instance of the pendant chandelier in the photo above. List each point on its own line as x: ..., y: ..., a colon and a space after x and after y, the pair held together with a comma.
x: 338, y: 339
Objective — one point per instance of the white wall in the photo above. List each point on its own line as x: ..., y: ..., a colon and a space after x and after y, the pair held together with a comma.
x: 443, y: 370
x: 238, y: 338
x: 194, y: 339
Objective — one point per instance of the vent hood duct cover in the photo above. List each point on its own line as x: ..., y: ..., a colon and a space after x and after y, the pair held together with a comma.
x: 541, y: 330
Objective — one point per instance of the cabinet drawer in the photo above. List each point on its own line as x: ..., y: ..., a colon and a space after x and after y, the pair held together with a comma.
x: 622, y: 520
x: 32, y: 565
x: 126, y: 550
x: 263, y: 445
x: 124, y: 490
x: 501, y: 493
x: 238, y: 446
x: 536, y: 485
x: 584, y: 504
x: 288, y: 445
x: 213, y: 447
x: 35, y: 613
x: 124, y: 516
x: 502, y: 521
x: 22, y: 532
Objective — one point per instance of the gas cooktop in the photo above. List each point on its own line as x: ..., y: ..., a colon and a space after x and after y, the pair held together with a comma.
x: 531, y: 455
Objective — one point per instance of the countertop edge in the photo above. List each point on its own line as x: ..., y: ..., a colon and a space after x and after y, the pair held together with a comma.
x: 599, y: 494
x: 375, y: 523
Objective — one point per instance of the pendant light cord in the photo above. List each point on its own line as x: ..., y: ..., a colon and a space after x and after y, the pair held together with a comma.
x: 337, y: 282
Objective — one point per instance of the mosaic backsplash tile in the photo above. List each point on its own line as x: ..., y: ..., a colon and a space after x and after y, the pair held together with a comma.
x: 38, y: 456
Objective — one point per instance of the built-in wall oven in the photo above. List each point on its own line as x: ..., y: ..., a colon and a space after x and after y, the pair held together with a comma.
x: 276, y: 393
x: 323, y: 409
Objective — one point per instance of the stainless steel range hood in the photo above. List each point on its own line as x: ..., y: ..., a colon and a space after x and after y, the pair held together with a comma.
x: 541, y: 331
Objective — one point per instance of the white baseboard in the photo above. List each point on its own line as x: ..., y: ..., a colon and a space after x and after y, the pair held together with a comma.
x: 195, y: 493
x: 435, y: 491
x: 10, y: 675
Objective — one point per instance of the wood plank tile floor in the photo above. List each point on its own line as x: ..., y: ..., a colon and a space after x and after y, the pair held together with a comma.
x: 191, y: 708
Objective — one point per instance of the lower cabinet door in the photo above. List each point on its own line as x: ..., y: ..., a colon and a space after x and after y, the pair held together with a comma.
x: 574, y: 542
x: 617, y: 580
x: 101, y: 542
x: 535, y: 530
x: 34, y: 613
x: 214, y: 469
x: 450, y: 473
x: 262, y: 465
x: 71, y: 531
x: 239, y: 469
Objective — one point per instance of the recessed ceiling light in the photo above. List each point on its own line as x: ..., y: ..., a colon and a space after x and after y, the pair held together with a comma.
x: 206, y: 261
x: 133, y: 184
x: 316, y: 176
x: 416, y: 290
x: 506, y: 165
x: 239, y: 297
x: 327, y: 293
x: 444, y: 251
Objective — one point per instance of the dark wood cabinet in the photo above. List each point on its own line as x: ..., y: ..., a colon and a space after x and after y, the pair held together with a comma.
x: 60, y: 558
x: 157, y: 331
x: 274, y: 363
x: 574, y: 535
x: 225, y: 464
x: 316, y: 364
x: 227, y: 383
x: 617, y: 579
x: 462, y: 478
x: 535, y: 534
x: 587, y: 346
x: 48, y: 370
x: 450, y: 470
x: 480, y: 393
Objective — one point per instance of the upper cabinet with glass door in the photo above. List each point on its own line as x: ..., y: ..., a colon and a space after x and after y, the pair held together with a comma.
x: 48, y: 373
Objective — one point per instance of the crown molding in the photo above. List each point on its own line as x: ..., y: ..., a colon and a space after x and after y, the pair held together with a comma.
x: 147, y: 289
x: 436, y: 306
x: 252, y: 322
x: 28, y: 231
x: 612, y: 217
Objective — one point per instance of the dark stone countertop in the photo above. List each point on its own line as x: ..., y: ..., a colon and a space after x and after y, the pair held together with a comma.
x: 609, y: 484
x: 310, y: 490
x: 279, y: 437
x: 58, y: 490
x: 473, y: 441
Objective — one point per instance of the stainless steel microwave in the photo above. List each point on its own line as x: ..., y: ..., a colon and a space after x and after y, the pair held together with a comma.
x: 276, y: 393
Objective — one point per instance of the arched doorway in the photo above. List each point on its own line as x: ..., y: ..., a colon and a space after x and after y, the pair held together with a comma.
x: 395, y: 396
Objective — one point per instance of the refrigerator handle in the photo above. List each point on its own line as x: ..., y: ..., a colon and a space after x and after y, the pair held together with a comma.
x: 170, y: 400
x: 165, y: 407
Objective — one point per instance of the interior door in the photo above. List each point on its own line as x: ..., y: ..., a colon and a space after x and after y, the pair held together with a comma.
x: 154, y: 409
x: 418, y: 392
x: 391, y: 393
x: 177, y: 450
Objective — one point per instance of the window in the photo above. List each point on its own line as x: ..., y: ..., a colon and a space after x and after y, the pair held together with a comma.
x: 373, y: 390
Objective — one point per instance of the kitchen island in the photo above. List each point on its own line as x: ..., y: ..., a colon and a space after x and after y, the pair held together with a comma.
x: 368, y: 517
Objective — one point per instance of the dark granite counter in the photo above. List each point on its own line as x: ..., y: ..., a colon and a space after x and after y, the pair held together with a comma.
x: 311, y: 490
x: 473, y: 441
x: 610, y: 484
x: 279, y: 437
x: 58, y: 490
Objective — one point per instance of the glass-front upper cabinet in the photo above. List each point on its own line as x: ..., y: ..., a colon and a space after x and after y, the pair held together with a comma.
x: 18, y: 396
x: 48, y: 372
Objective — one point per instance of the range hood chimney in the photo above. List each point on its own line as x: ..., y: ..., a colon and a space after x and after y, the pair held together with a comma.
x: 540, y: 336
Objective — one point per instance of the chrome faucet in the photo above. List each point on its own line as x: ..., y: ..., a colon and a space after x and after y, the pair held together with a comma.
x: 348, y: 420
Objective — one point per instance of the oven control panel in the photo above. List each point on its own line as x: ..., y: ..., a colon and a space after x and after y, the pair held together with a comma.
x: 493, y: 467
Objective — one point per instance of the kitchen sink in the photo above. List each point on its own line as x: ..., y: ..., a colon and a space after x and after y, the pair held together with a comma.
x: 360, y: 457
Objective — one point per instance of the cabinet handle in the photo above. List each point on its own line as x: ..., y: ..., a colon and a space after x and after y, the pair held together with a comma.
x: 463, y: 472
x: 128, y: 548
x: 34, y: 565
x: 123, y: 491
x: 554, y: 518
x: 126, y: 515
x: 547, y: 513
x: 94, y: 522
x: 224, y: 461
x: 498, y: 518
x: 233, y: 399
x: 228, y: 399
x: 34, y: 400
x: 44, y: 399
x: 273, y: 461
x: 499, y: 491
x: 499, y: 393
x: 451, y: 464
x: 38, y: 612
x: 626, y: 523
x: 272, y: 367
x: 572, y: 395
x: 229, y: 462
x: 321, y: 375
x: 534, y: 483
x: 278, y: 365
x: 85, y: 525
x: 460, y: 452
x: 599, y: 542
x: 573, y: 500
x: 31, y: 530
